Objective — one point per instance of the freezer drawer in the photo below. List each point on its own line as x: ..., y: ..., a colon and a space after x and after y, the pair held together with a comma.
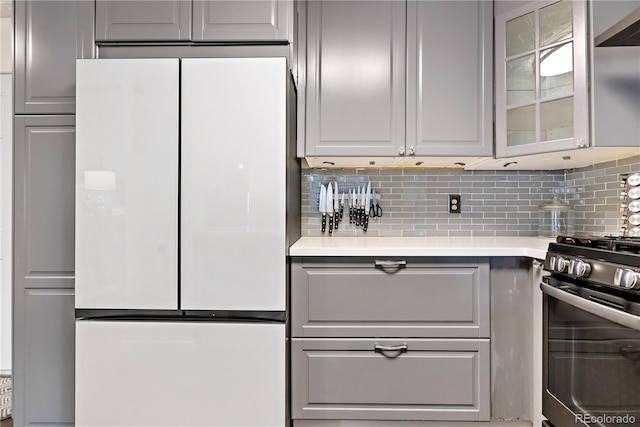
x: 180, y: 374
x: 446, y: 380
x: 420, y: 300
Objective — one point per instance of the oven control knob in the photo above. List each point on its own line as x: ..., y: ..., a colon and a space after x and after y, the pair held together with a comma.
x: 579, y: 268
x: 558, y: 264
x: 627, y: 279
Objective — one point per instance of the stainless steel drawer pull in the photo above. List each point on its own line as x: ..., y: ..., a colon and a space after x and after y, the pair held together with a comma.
x: 397, y: 349
x: 390, y: 263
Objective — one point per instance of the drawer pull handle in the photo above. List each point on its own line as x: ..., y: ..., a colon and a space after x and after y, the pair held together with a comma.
x: 398, y: 349
x: 390, y: 263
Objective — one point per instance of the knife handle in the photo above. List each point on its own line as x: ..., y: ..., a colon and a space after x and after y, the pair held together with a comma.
x: 350, y: 214
x: 330, y: 223
x: 341, y: 212
x: 337, y: 217
x: 365, y: 223
x: 324, y: 222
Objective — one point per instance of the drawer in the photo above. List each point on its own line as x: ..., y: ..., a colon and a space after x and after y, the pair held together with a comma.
x: 446, y: 380
x: 447, y: 301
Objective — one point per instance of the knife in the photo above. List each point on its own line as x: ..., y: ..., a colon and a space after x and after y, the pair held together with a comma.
x: 341, y: 205
x: 322, y: 205
x: 366, y: 208
x: 330, y: 207
x: 336, y: 205
x: 361, y: 204
x: 356, y: 212
x: 351, y: 197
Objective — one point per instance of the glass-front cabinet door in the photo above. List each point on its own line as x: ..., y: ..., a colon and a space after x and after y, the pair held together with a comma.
x: 541, y: 78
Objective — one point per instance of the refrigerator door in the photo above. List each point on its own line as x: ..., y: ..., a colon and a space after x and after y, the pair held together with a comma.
x: 233, y: 188
x: 180, y: 374
x: 127, y: 183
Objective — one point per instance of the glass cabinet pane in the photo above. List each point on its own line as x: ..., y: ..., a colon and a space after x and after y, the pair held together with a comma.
x: 556, y: 119
x: 556, y: 71
x: 521, y: 125
x: 556, y: 23
x: 521, y: 36
x: 521, y: 80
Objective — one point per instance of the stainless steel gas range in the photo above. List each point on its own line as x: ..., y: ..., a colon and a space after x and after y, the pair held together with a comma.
x: 591, y: 332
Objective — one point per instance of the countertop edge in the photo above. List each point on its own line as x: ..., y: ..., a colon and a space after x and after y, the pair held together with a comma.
x: 420, y: 247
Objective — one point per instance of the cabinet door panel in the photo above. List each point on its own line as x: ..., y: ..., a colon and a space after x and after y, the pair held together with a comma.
x: 261, y: 20
x: 543, y: 106
x: 49, y: 36
x: 443, y: 380
x: 413, y: 302
x: 43, y: 386
x: 450, y: 78
x: 43, y: 346
x: 118, y: 20
x: 355, y: 78
x: 44, y: 196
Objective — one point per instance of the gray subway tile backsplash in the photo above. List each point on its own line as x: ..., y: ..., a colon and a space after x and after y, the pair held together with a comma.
x: 595, y: 193
x: 494, y: 203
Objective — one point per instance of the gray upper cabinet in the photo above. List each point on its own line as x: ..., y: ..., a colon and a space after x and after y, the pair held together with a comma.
x: 355, y: 76
x: 450, y: 78
x: 242, y: 21
x: 393, y: 78
x: 542, y: 98
x: 49, y: 36
x: 161, y: 20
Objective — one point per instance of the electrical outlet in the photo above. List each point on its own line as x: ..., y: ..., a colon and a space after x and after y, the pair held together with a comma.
x: 454, y: 203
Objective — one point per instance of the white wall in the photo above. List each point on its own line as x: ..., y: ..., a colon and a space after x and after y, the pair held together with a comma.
x: 6, y: 138
x: 6, y: 61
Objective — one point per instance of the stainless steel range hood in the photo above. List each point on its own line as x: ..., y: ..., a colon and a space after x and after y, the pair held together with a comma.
x: 623, y: 33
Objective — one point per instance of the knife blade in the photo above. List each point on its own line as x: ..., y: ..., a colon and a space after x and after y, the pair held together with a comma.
x: 322, y: 206
x: 362, y: 198
x: 341, y: 205
x: 336, y: 205
x: 357, y: 209
x: 330, y: 206
x: 351, y: 197
x: 366, y: 208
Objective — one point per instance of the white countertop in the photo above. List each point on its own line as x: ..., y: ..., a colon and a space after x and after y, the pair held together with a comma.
x: 533, y: 247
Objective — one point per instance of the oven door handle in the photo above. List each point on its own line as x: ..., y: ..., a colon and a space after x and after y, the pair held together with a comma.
x: 616, y: 316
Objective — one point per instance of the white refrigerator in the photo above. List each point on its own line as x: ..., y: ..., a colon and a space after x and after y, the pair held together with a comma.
x: 183, y: 179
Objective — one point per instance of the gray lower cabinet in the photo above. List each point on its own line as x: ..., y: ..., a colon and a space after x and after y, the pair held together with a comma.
x: 242, y: 21
x: 445, y: 380
x: 43, y: 352
x: 358, y: 300
x: 355, y: 77
x: 49, y: 36
x: 44, y: 362
x: 390, y: 339
x: 450, y: 77
x: 143, y: 20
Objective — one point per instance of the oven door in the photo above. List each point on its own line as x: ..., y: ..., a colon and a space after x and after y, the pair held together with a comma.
x: 591, y: 357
